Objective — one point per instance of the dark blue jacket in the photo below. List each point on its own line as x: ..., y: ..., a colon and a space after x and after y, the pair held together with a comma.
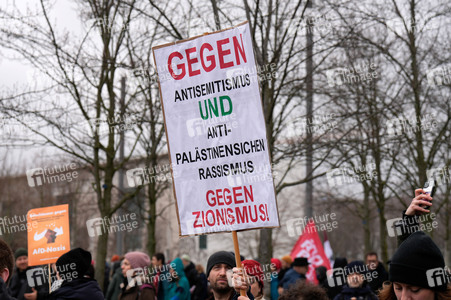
x: 290, y: 278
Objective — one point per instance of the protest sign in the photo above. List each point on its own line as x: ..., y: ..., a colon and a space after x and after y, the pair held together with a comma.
x: 50, y: 238
x: 216, y: 133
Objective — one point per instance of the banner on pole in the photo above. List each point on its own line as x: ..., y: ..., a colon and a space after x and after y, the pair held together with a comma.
x: 50, y: 238
x: 215, y: 127
x: 309, y: 246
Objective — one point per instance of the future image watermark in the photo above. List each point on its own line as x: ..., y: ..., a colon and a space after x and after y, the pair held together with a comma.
x: 105, y: 225
x: 318, y: 125
x: 441, y: 175
x: 143, y: 176
x: 18, y: 125
x: 298, y: 226
x: 409, y: 126
x: 50, y: 175
x: 438, y: 276
x: 219, y: 126
x: 244, y: 175
x: 265, y: 271
x: 148, y: 275
x: 104, y: 126
x: 399, y: 226
x: 342, y: 276
x: 345, y: 175
x: 39, y: 276
x: 363, y: 73
x: 439, y: 76
x: 13, y: 225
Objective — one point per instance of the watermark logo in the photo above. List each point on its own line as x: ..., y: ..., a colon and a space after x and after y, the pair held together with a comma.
x: 142, y: 176
x: 342, y: 276
x: 106, y: 24
x: 399, y: 27
x: 341, y: 176
x: 207, y: 224
x: 18, y: 125
x: 39, y: 276
x: 393, y: 227
x: 409, y: 126
x: 214, y: 127
x: 398, y: 226
x: 318, y: 125
x: 441, y: 175
x: 13, y: 225
x: 316, y: 23
x: 325, y: 222
x: 360, y: 73
x: 147, y: 275
x: 46, y: 175
x: 105, y: 225
x: 438, y: 277
x: 265, y: 271
x: 102, y: 127
x: 248, y: 174
x: 439, y: 76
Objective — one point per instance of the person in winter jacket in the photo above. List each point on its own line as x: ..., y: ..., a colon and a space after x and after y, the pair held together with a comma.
x: 178, y: 288
x: 286, y: 265
x: 137, y: 284
x: 339, y: 264
x: 218, y: 266
x: 356, y: 287
x: 18, y: 285
x: 6, y: 268
x: 72, y: 283
x: 256, y: 278
x: 417, y: 269
x: 114, y: 287
x: 297, y: 272
x: 276, y: 266
x: 201, y: 289
x: 190, y: 271
x: 379, y: 274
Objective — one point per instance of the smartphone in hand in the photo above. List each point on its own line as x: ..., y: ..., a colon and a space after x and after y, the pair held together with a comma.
x: 429, y: 188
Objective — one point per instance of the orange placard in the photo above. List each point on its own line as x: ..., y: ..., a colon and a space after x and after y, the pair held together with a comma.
x: 50, y: 237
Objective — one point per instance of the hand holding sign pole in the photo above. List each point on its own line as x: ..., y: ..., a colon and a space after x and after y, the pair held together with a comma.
x: 216, y: 134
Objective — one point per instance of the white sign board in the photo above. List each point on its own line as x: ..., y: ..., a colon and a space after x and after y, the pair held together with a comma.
x: 216, y: 133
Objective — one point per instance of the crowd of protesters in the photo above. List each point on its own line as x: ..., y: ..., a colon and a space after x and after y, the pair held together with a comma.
x: 137, y: 276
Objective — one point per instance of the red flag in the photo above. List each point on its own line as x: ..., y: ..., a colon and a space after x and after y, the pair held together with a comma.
x: 309, y: 246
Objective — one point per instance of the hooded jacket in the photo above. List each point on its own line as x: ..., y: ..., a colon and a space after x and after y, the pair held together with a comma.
x: 78, y: 289
x: 178, y: 289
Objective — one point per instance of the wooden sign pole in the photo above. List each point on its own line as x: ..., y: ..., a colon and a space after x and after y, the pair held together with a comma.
x: 237, y: 257
x: 50, y: 279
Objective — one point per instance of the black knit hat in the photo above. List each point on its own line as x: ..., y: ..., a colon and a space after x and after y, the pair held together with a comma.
x: 77, y: 260
x: 20, y: 252
x: 300, y: 262
x: 220, y: 257
x: 415, y: 261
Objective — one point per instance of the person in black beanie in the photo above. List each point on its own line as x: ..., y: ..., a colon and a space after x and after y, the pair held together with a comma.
x: 417, y: 269
x: 218, y: 266
x: 335, y: 289
x: 356, y: 283
x: 72, y: 283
